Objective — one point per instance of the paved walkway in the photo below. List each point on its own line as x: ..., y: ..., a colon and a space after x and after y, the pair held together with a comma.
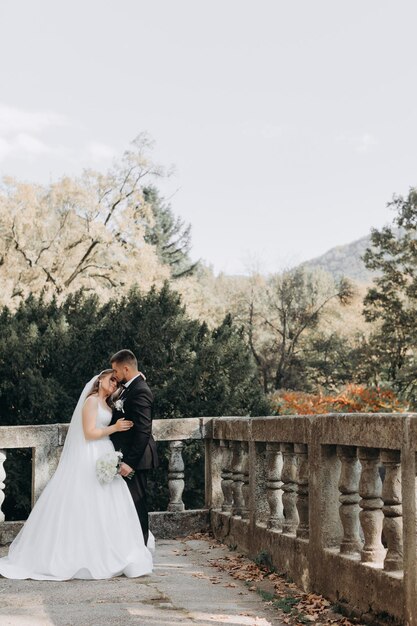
x: 184, y: 589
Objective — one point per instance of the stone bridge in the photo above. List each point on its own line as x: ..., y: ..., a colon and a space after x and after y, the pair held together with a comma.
x: 331, y: 499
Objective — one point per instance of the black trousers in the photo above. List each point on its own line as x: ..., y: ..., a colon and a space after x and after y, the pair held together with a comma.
x: 137, y: 488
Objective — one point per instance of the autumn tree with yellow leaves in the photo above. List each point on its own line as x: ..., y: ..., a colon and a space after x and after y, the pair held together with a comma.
x: 86, y: 233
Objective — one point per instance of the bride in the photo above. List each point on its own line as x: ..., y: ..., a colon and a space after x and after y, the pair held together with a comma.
x: 80, y: 528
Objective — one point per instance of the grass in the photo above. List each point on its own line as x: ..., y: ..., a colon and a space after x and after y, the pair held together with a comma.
x: 266, y: 595
x: 264, y: 559
x: 286, y: 604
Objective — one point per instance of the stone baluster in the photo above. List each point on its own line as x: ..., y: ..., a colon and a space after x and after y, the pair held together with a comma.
x: 237, y: 466
x: 245, y: 476
x: 349, y: 499
x: 274, y: 485
x: 301, y: 453
x: 289, y: 497
x: 392, y: 510
x: 371, y: 516
x: 227, y: 476
x: 176, y: 476
x: 2, y: 478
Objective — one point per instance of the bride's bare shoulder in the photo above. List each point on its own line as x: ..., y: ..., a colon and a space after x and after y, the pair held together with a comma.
x: 91, y: 402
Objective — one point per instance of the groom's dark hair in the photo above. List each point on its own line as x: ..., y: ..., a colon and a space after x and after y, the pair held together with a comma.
x: 125, y: 356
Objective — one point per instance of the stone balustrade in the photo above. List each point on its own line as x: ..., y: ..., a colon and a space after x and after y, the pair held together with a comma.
x: 331, y: 498
x: 46, y: 442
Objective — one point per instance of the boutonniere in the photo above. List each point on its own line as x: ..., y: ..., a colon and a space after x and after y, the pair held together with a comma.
x: 118, y: 405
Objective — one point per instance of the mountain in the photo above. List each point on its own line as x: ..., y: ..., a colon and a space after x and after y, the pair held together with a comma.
x: 345, y: 260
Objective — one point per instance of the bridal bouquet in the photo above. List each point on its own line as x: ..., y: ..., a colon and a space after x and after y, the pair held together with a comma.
x: 107, y: 466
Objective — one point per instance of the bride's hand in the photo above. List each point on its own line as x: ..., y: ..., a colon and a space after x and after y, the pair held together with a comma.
x: 123, y: 424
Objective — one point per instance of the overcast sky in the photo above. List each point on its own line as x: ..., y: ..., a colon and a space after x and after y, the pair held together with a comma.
x: 290, y: 123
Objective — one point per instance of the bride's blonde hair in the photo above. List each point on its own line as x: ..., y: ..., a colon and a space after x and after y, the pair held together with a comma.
x: 94, y: 389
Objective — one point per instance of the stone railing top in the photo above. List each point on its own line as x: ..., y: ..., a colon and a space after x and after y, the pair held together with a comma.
x: 378, y: 430
x: 32, y: 436
x: 54, y: 434
x: 180, y: 429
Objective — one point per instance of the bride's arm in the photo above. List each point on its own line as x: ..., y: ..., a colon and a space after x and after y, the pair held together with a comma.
x: 91, y: 432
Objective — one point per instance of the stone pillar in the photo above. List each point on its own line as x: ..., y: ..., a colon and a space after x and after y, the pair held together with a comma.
x: 371, y: 516
x: 213, y: 458
x: 2, y: 479
x: 274, y: 485
x: 349, y: 499
x: 227, y: 480
x: 176, y: 476
x: 392, y: 509
x: 261, y: 508
x: 245, y: 484
x: 237, y: 466
x: 289, y: 497
x: 44, y: 463
x: 301, y: 453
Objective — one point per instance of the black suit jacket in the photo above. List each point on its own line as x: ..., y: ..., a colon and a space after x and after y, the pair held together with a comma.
x: 137, y: 444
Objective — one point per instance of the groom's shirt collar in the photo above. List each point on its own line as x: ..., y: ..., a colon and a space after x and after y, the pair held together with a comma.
x: 126, y: 385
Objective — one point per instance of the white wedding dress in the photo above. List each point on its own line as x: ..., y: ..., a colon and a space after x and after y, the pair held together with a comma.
x: 80, y: 528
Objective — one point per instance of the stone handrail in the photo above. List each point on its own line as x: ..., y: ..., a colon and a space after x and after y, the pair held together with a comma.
x: 328, y: 499
x: 331, y: 499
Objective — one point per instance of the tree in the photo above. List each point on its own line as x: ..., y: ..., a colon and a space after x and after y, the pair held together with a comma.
x: 169, y: 234
x: 297, y: 299
x: 281, y: 314
x: 48, y: 351
x: 253, y: 310
x: 391, y: 303
x: 87, y: 233
x: 224, y: 378
x: 31, y: 389
x: 333, y: 359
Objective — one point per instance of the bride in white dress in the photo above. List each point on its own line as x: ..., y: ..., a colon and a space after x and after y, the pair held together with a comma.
x: 79, y: 527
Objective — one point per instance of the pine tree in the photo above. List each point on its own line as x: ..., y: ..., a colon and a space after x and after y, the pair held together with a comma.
x: 392, y: 302
x: 169, y: 234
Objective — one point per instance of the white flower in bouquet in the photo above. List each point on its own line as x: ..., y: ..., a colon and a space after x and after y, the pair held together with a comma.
x: 107, y: 466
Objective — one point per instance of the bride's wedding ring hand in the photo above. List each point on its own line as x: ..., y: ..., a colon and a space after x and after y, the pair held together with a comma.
x: 123, y: 424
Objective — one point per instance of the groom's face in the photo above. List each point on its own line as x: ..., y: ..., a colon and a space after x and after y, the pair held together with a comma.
x: 119, y: 372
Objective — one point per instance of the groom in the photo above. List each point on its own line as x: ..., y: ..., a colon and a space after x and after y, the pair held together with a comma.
x: 137, y: 444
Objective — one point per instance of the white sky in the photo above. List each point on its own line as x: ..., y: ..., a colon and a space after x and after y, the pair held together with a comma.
x: 291, y: 122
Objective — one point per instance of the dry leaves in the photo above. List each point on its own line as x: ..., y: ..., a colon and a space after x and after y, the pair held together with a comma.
x: 238, y: 567
x: 296, y: 607
x: 313, y: 606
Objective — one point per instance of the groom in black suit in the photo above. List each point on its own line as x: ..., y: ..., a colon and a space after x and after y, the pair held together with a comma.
x: 137, y: 444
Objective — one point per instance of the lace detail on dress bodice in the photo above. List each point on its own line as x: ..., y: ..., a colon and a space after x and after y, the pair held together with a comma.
x: 103, y: 416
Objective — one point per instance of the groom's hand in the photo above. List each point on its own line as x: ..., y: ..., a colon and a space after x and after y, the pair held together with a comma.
x: 125, y: 469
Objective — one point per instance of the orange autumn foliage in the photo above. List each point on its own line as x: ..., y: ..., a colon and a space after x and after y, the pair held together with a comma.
x: 352, y: 399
